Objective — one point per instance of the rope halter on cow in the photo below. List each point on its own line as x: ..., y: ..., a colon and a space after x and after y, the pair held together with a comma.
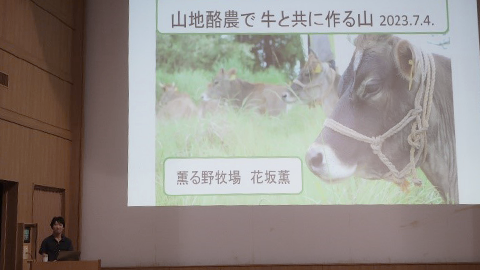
x: 420, y: 115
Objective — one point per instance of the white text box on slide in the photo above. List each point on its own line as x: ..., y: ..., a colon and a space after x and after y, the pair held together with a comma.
x: 302, y: 16
x: 212, y: 176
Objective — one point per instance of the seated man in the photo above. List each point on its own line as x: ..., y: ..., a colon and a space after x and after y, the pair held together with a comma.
x: 57, y: 241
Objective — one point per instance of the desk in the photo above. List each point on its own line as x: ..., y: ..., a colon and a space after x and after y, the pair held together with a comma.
x: 67, y: 265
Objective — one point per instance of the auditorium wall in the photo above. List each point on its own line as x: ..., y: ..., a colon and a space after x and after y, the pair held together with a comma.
x: 41, y: 52
x: 138, y: 237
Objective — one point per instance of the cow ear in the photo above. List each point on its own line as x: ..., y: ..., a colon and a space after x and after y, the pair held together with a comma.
x: 404, y: 59
x: 232, y: 74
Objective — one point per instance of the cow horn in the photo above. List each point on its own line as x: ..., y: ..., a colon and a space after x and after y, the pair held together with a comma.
x: 410, y: 62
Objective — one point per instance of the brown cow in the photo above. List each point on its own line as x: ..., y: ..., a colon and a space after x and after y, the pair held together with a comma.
x: 317, y: 83
x: 263, y: 98
x: 211, y: 106
x: 174, y: 104
x: 395, y: 101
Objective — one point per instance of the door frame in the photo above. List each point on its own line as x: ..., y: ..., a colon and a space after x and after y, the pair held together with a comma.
x: 8, y: 246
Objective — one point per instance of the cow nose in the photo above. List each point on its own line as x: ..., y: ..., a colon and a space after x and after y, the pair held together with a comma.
x: 324, y: 163
x: 315, y: 157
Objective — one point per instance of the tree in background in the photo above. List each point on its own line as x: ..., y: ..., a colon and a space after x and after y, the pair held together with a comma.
x: 279, y: 51
x: 181, y: 52
x: 254, y: 52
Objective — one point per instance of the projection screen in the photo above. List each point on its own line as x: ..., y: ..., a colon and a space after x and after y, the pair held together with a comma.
x: 133, y: 236
x: 302, y: 103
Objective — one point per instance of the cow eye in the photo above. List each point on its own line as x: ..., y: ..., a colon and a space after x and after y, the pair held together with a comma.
x: 371, y: 90
x: 215, y: 82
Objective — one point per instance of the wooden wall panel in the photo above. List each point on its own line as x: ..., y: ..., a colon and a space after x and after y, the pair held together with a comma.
x: 452, y: 266
x: 62, y: 9
x: 31, y: 33
x: 36, y: 112
x: 447, y: 266
x: 297, y: 267
x: 400, y: 267
x: 348, y: 267
x: 32, y: 157
x: 35, y: 93
x: 24, y: 202
x: 74, y: 191
x: 46, y: 205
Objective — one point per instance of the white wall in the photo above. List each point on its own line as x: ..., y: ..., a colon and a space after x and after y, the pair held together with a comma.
x: 149, y: 236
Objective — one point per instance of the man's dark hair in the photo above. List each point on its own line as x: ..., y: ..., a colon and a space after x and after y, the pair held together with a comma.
x: 57, y: 219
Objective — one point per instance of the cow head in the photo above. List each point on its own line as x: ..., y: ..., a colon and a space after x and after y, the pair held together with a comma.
x: 168, y: 92
x: 374, y: 97
x: 312, y: 83
x: 220, y: 88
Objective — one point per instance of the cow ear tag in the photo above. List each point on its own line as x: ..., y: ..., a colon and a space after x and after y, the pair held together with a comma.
x: 410, y: 62
x: 318, y: 69
x: 233, y: 77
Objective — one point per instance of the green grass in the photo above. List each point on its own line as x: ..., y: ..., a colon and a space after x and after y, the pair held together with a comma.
x: 244, y: 133
x: 248, y: 134
x: 193, y: 82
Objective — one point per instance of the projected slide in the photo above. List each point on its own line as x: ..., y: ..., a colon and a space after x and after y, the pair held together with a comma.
x: 338, y: 103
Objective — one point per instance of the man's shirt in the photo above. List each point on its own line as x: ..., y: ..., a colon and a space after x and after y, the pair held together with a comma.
x: 51, y: 247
